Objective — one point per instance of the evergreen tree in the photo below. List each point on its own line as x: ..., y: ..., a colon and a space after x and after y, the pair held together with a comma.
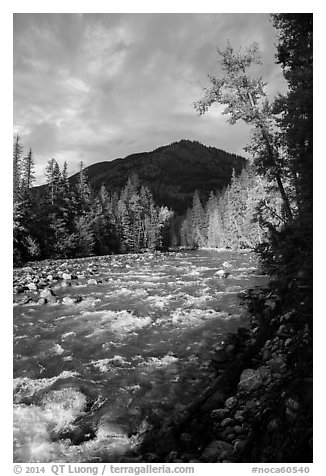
x: 28, y: 175
x: 65, y: 186
x: 82, y: 191
x: 295, y: 54
x: 198, y: 221
x: 53, y: 176
x: 17, y: 166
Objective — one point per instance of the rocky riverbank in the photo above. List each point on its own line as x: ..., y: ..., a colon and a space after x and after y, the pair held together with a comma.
x: 262, y: 413
x: 40, y: 282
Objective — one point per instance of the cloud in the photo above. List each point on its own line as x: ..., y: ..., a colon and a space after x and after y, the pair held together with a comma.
x: 95, y: 87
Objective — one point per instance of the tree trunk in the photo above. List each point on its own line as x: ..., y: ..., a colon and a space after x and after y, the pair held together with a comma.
x: 277, y: 174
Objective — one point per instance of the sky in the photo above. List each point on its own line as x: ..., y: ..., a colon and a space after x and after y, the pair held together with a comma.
x: 95, y: 87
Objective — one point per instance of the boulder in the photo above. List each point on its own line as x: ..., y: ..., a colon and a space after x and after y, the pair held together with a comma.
x: 52, y: 299
x: 227, y: 265
x: 32, y: 286
x: 28, y: 269
x: 266, y: 354
x: 92, y: 281
x: 251, y: 380
x: 65, y: 284
x: 237, y: 429
x: 278, y: 365
x: 226, y: 422
x: 66, y: 276
x: 230, y: 402
x: 219, y: 414
x: 216, y: 450
x: 47, y: 292
x: 221, y: 273
x: 239, y: 445
x: 239, y: 416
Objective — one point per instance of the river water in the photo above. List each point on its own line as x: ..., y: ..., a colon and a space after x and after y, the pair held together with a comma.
x: 137, y: 347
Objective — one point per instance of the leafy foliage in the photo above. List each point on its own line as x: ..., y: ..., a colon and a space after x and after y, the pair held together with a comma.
x: 244, y: 98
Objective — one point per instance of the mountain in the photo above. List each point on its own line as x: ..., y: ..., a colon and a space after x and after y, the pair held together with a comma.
x: 172, y: 172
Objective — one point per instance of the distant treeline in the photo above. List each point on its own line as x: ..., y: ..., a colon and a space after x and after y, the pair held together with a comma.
x: 71, y: 220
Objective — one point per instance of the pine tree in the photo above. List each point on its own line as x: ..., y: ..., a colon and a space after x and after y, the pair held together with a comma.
x: 53, y: 177
x: 17, y: 166
x: 295, y: 55
x: 198, y: 221
x: 82, y: 191
x: 64, y: 182
x: 28, y: 175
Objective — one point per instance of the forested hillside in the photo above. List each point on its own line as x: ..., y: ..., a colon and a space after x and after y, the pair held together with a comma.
x: 172, y: 172
x: 71, y: 218
x: 122, y: 206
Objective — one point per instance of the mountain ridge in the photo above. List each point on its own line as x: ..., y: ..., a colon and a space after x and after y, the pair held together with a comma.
x: 172, y: 172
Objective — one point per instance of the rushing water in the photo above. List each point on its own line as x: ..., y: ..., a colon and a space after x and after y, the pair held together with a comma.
x: 136, y: 348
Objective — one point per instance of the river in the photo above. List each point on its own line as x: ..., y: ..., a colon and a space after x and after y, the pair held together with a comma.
x: 135, y: 348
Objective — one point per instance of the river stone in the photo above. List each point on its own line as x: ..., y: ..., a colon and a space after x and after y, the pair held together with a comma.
x: 66, y: 276
x: 32, y: 286
x: 45, y: 293
x: 227, y: 265
x: 239, y: 445
x: 272, y: 425
x: 28, y: 269
x: 52, y: 299
x: 219, y: 414
x: 230, y: 402
x: 92, y: 281
x: 239, y: 416
x: 237, y: 429
x: 288, y: 342
x: 226, y: 422
x: 216, y: 450
x: 221, y: 273
x: 266, y: 354
x: 253, y: 379
x: 278, y: 365
x: 65, y: 284
x: 41, y: 301
x: 67, y: 300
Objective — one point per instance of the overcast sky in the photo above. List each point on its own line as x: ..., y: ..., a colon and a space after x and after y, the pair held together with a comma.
x: 95, y: 87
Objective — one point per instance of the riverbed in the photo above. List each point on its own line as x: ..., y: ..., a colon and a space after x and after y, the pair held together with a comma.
x: 126, y: 349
